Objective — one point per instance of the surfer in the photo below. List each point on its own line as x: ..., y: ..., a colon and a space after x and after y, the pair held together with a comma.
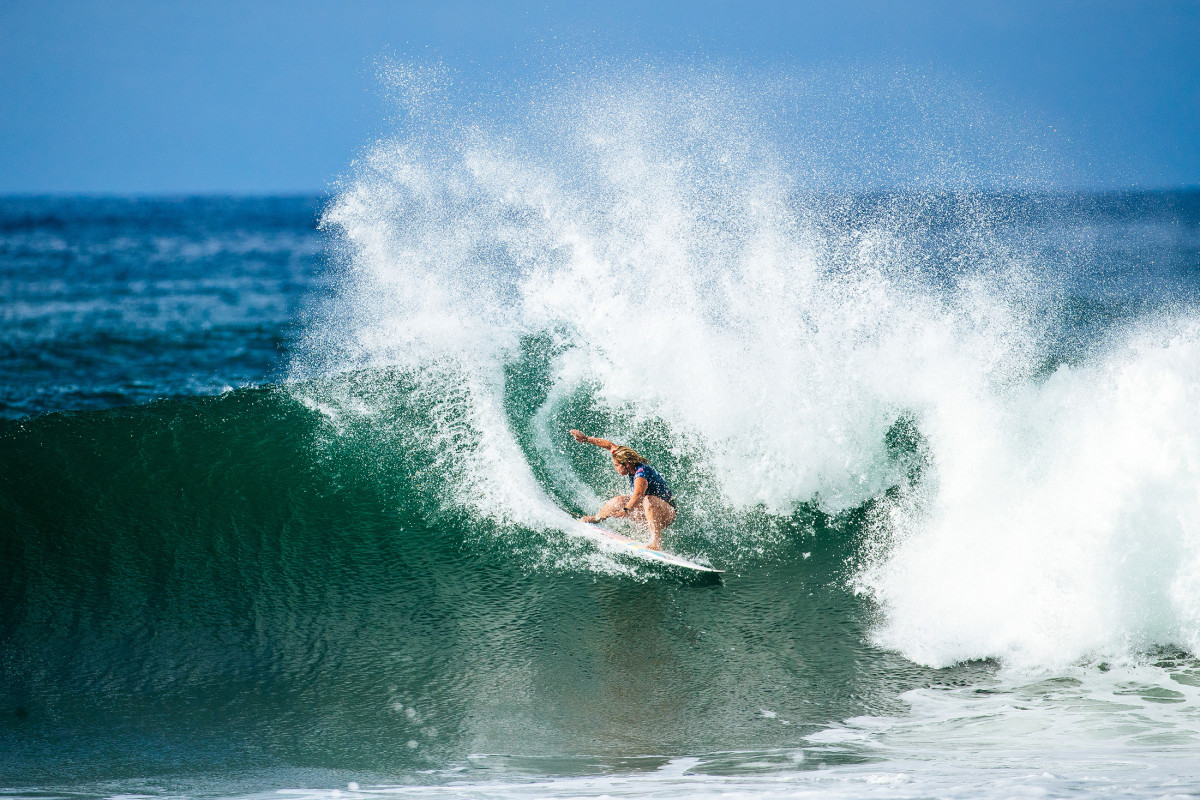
x: 651, y: 503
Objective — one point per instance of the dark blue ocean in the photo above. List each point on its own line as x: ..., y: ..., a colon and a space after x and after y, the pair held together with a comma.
x: 285, y: 484
x: 121, y: 301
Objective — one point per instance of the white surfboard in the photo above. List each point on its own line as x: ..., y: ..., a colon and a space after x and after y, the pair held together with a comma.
x: 633, y: 547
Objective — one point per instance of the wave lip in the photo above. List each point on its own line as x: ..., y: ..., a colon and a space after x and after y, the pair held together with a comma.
x: 678, y: 283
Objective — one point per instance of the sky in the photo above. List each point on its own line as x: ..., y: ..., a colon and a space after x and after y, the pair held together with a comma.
x: 256, y: 97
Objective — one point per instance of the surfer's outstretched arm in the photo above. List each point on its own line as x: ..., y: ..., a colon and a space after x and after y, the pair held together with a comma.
x: 580, y: 436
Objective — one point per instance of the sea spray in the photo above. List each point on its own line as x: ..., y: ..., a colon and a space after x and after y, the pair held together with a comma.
x: 1063, y: 524
x: 696, y: 297
x: 669, y: 255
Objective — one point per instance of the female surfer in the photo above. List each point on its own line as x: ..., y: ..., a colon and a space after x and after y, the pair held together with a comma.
x: 651, y: 502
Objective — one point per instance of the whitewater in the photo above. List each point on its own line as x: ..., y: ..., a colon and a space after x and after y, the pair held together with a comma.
x: 675, y: 273
x: 933, y: 415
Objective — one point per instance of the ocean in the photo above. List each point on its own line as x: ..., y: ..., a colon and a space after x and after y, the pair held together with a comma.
x: 283, y: 483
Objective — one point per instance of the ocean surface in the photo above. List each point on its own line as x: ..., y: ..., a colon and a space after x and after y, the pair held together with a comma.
x: 283, y: 483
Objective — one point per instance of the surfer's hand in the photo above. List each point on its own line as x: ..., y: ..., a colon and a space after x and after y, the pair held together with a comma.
x: 579, y: 435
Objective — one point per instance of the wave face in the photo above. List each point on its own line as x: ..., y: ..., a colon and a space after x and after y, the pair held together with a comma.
x: 935, y: 436
x: 1000, y: 384
x: 232, y: 584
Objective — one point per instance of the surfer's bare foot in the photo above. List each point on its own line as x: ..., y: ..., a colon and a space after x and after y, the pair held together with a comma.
x: 586, y: 518
x: 655, y: 544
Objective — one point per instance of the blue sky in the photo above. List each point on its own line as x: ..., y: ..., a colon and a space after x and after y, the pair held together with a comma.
x: 261, y: 97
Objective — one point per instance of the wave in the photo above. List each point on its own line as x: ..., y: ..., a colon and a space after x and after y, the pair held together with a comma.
x: 662, y: 272
x: 241, y: 582
x: 1062, y: 521
x: 895, y: 418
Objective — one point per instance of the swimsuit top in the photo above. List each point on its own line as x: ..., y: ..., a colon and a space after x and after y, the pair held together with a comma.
x: 655, y: 485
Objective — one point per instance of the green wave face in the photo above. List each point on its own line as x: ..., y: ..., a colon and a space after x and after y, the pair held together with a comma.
x: 232, y: 584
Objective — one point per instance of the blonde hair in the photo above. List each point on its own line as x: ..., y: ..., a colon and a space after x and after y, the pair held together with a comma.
x: 627, y: 456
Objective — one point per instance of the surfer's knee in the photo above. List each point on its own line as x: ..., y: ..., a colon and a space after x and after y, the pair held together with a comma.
x: 614, y: 504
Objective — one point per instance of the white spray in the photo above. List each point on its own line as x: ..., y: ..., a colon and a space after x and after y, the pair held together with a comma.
x: 690, y: 273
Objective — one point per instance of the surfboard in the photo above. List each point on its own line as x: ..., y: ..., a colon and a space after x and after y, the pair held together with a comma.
x: 635, y: 548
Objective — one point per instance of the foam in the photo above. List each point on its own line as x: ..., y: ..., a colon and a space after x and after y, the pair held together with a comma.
x: 663, y: 237
x: 1064, y: 525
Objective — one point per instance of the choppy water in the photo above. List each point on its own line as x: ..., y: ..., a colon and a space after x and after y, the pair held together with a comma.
x: 279, y: 480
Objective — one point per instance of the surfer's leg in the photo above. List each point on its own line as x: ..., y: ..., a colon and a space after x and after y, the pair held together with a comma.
x: 607, y: 509
x: 659, y: 514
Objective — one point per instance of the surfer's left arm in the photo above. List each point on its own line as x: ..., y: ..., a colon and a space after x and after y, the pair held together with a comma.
x: 640, y: 485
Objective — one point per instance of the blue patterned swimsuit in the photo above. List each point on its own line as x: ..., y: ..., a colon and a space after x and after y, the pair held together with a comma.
x: 655, y: 485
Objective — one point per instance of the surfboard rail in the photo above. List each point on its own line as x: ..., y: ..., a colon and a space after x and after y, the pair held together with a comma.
x: 624, y: 544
